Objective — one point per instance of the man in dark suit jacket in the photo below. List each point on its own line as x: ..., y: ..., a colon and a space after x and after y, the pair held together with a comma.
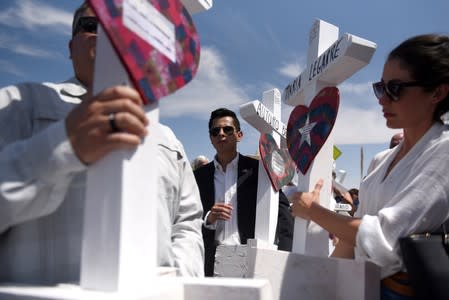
x: 235, y: 177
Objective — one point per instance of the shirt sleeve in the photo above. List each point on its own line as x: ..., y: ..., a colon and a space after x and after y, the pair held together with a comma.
x: 212, y: 226
x: 34, y: 172
x: 186, y: 236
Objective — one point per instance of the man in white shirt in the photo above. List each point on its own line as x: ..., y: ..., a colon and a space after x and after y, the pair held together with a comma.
x: 50, y: 134
x: 228, y: 189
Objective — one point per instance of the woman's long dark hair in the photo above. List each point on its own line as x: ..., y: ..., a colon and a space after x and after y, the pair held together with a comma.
x: 427, y: 59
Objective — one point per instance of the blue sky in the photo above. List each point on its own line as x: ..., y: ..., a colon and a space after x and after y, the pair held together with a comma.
x: 247, y: 47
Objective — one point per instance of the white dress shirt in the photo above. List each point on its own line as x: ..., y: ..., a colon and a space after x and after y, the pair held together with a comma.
x: 412, y: 198
x: 225, y: 183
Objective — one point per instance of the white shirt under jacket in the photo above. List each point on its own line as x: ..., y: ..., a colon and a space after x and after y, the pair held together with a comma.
x: 225, y: 182
x: 413, y: 198
x: 42, y: 185
x: 225, y: 186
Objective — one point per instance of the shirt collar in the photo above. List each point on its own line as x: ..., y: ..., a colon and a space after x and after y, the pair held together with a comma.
x: 233, y: 164
x: 74, y: 88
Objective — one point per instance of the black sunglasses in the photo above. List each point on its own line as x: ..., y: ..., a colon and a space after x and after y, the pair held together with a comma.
x: 392, y: 88
x: 215, y: 131
x: 86, y: 24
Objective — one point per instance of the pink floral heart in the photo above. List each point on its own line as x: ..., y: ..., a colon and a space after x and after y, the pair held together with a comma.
x: 277, y: 162
x: 155, y: 39
x: 309, y: 127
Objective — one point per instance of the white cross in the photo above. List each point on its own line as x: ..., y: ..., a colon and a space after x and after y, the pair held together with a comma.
x: 119, y: 239
x: 330, y: 61
x: 119, y: 243
x: 194, y: 6
x: 266, y: 121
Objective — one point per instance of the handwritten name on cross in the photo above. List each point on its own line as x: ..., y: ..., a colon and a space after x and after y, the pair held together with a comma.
x: 259, y: 116
x: 266, y: 121
x: 330, y: 61
x: 119, y: 243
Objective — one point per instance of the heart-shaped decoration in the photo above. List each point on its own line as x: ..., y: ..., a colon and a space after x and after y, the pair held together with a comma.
x: 277, y: 162
x: 156, y: 41
x: 309, y: 127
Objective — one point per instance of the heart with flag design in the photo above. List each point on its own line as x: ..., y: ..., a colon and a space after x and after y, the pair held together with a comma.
x: 309, y: 127
x: 156, y: 41
x: 276, y: 161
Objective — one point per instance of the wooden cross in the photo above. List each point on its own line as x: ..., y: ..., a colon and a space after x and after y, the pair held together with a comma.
x: 266, y: 119
x: 194, y: 6
x: 330, y: 61
x: 119, y: 250
x: 119, y: 238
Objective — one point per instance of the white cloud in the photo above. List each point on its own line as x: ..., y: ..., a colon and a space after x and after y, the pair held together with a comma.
x: 33, y: 15
x: 356, y: 89
x: 211, y: 88
x: 35, y: 52
x: 8, y: 67
x: 11, y: 44
x: 360, y: 119
x: 361, y: 126
x: 291, y: 70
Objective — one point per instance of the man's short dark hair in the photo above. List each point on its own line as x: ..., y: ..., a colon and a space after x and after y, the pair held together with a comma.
x: 78, y: 14
x: 224, y: 112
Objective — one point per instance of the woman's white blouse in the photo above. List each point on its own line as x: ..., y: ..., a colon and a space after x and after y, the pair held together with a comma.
x: 413, y: 198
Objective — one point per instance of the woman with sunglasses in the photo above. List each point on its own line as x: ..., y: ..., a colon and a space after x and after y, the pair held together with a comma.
x: 407, y: 191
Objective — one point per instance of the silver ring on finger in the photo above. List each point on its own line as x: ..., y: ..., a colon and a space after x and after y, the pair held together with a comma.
x: 112, y: 123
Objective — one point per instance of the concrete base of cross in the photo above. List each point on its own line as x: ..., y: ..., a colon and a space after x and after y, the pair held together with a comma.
x: 231, y: 261
x: 168, y: 287
x: 294, y: 276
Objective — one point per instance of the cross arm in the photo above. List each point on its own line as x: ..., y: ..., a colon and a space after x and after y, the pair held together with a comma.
x: 195, y: 6
x: 343, y: 58
x: 261, y: 118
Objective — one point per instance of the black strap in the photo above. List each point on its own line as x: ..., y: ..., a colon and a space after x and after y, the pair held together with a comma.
x: 445, y: 235
x: 445, y: 227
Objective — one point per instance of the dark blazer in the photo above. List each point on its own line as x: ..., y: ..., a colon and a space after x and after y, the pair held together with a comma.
x: 246, y: 208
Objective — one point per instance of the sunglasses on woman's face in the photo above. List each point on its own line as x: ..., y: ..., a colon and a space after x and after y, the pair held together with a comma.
x: 392, y: 88
x: 86, y: 24
x: 227, y: 130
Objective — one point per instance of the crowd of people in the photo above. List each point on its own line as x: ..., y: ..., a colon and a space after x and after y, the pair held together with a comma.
x: 53, y: 132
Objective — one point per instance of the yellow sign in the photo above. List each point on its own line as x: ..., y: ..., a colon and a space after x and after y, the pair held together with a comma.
x: 337, y: 152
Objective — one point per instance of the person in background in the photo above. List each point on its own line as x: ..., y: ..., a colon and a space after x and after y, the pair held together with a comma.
x: 355, y: 199
x: 407, y: 189
x: 199, y: 161
x: 51, y: 134
x: 228, y: 189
